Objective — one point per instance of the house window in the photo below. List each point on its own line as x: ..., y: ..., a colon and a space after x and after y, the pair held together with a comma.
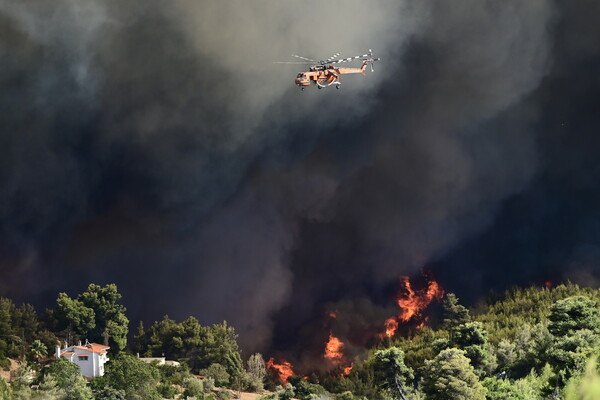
x: 83, y: 358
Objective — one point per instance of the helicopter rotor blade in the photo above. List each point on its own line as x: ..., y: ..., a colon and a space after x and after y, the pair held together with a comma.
x: 292, y: 62
x: 303, y: 58
x: 348, y: 59
x: 333, y: 57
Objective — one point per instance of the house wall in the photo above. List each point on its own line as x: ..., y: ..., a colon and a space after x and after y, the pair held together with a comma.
x: 90, y: 368
x: 87, y: 367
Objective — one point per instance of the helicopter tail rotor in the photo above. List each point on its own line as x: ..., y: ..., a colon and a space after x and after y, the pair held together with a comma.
x: 371, y: 60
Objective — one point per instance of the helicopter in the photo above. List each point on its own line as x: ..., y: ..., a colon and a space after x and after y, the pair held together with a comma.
x: 325, y: 73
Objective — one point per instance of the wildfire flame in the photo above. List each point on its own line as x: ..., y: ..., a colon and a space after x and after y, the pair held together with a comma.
x: 348, y: 369
x: 332, y: 315
x: 333, y: 350
x: 283, y: 370
x: 422, y: 324
x: 391, y: 325
x: 413, y: 303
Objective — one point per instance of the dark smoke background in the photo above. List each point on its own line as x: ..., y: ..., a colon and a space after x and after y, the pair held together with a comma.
x: 155, y: 145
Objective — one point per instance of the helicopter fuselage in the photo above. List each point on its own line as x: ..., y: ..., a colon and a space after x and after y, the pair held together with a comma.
x: 326, y: 75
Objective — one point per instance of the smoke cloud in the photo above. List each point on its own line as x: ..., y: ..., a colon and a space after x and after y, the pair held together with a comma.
x: 158, y: 147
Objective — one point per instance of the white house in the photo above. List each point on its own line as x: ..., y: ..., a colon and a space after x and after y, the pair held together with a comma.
x: 90, y: 358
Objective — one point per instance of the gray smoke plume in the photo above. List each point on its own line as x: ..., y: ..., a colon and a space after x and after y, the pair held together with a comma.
x: 155, y: 145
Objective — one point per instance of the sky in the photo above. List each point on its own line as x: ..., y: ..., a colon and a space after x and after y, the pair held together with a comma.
x: 158, y: 147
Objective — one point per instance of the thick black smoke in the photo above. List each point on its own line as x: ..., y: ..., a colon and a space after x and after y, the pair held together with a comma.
x: 157, y: 147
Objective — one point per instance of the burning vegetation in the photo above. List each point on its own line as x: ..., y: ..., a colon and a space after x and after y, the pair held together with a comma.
x: 334, y: 350
x: 345, y: 344
x: 413, y: 304
x: 283, y: 370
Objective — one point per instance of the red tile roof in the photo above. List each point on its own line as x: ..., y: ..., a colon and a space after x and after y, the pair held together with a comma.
x: 93, y: 347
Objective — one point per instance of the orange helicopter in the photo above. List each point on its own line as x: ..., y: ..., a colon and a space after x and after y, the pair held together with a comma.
x: 325, y: 73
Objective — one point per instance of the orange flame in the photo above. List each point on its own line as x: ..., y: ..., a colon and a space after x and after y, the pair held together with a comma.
x: 422, y: 324
x: 548, y: 284
x: 332, y: 314
x: 283, y: 370
x: 333, y: 350
x: 391, y: 325
x: 413, y: 303
x: 348, y: 369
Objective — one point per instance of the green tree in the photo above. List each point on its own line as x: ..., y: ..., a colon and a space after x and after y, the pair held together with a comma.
x: 574, y: 323
x: 586, y: 387
x: 11, y: 339
x: 95, y: 315
x: 200, y: 346
x: 68, y: 379
x: 472, y: 338
x: 167, y: 391
x: 6, y: 311
x: 450, y: 376
x: 174, y: 374
x: 287, y: 393
x: 48, y: 338
x: 569, y: 354
x: 23, y: 376
x: 218, y: 373
x: 25, y: 322
x: 391, y: 373
x: 135, y: 377
x: 111, y: 325
x: 305, y: 389
x: 453, y: 313
x: 38, y: 350
x: 532, y: 345
x: 506, y: 353
x: 73, y: 317
x: 193, y: 388
x: 502, y: 389
x: 5, y: 391
x: 48, y: 386
x: 161, y: 336
x: 109, y: 393
x: 256, y: 372
x: 140, y: 343
x: 218, y: 344
x: 572, y: 314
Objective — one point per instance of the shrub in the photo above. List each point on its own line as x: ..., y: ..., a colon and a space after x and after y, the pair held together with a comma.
x: 167, y: 391
x: 5, y: 364
x: 193, y: 388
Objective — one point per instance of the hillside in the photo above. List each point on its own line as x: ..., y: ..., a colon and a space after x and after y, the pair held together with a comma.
x: 532, y: 343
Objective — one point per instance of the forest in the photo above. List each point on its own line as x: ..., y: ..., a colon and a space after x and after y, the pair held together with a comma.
x: 529, y: 343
